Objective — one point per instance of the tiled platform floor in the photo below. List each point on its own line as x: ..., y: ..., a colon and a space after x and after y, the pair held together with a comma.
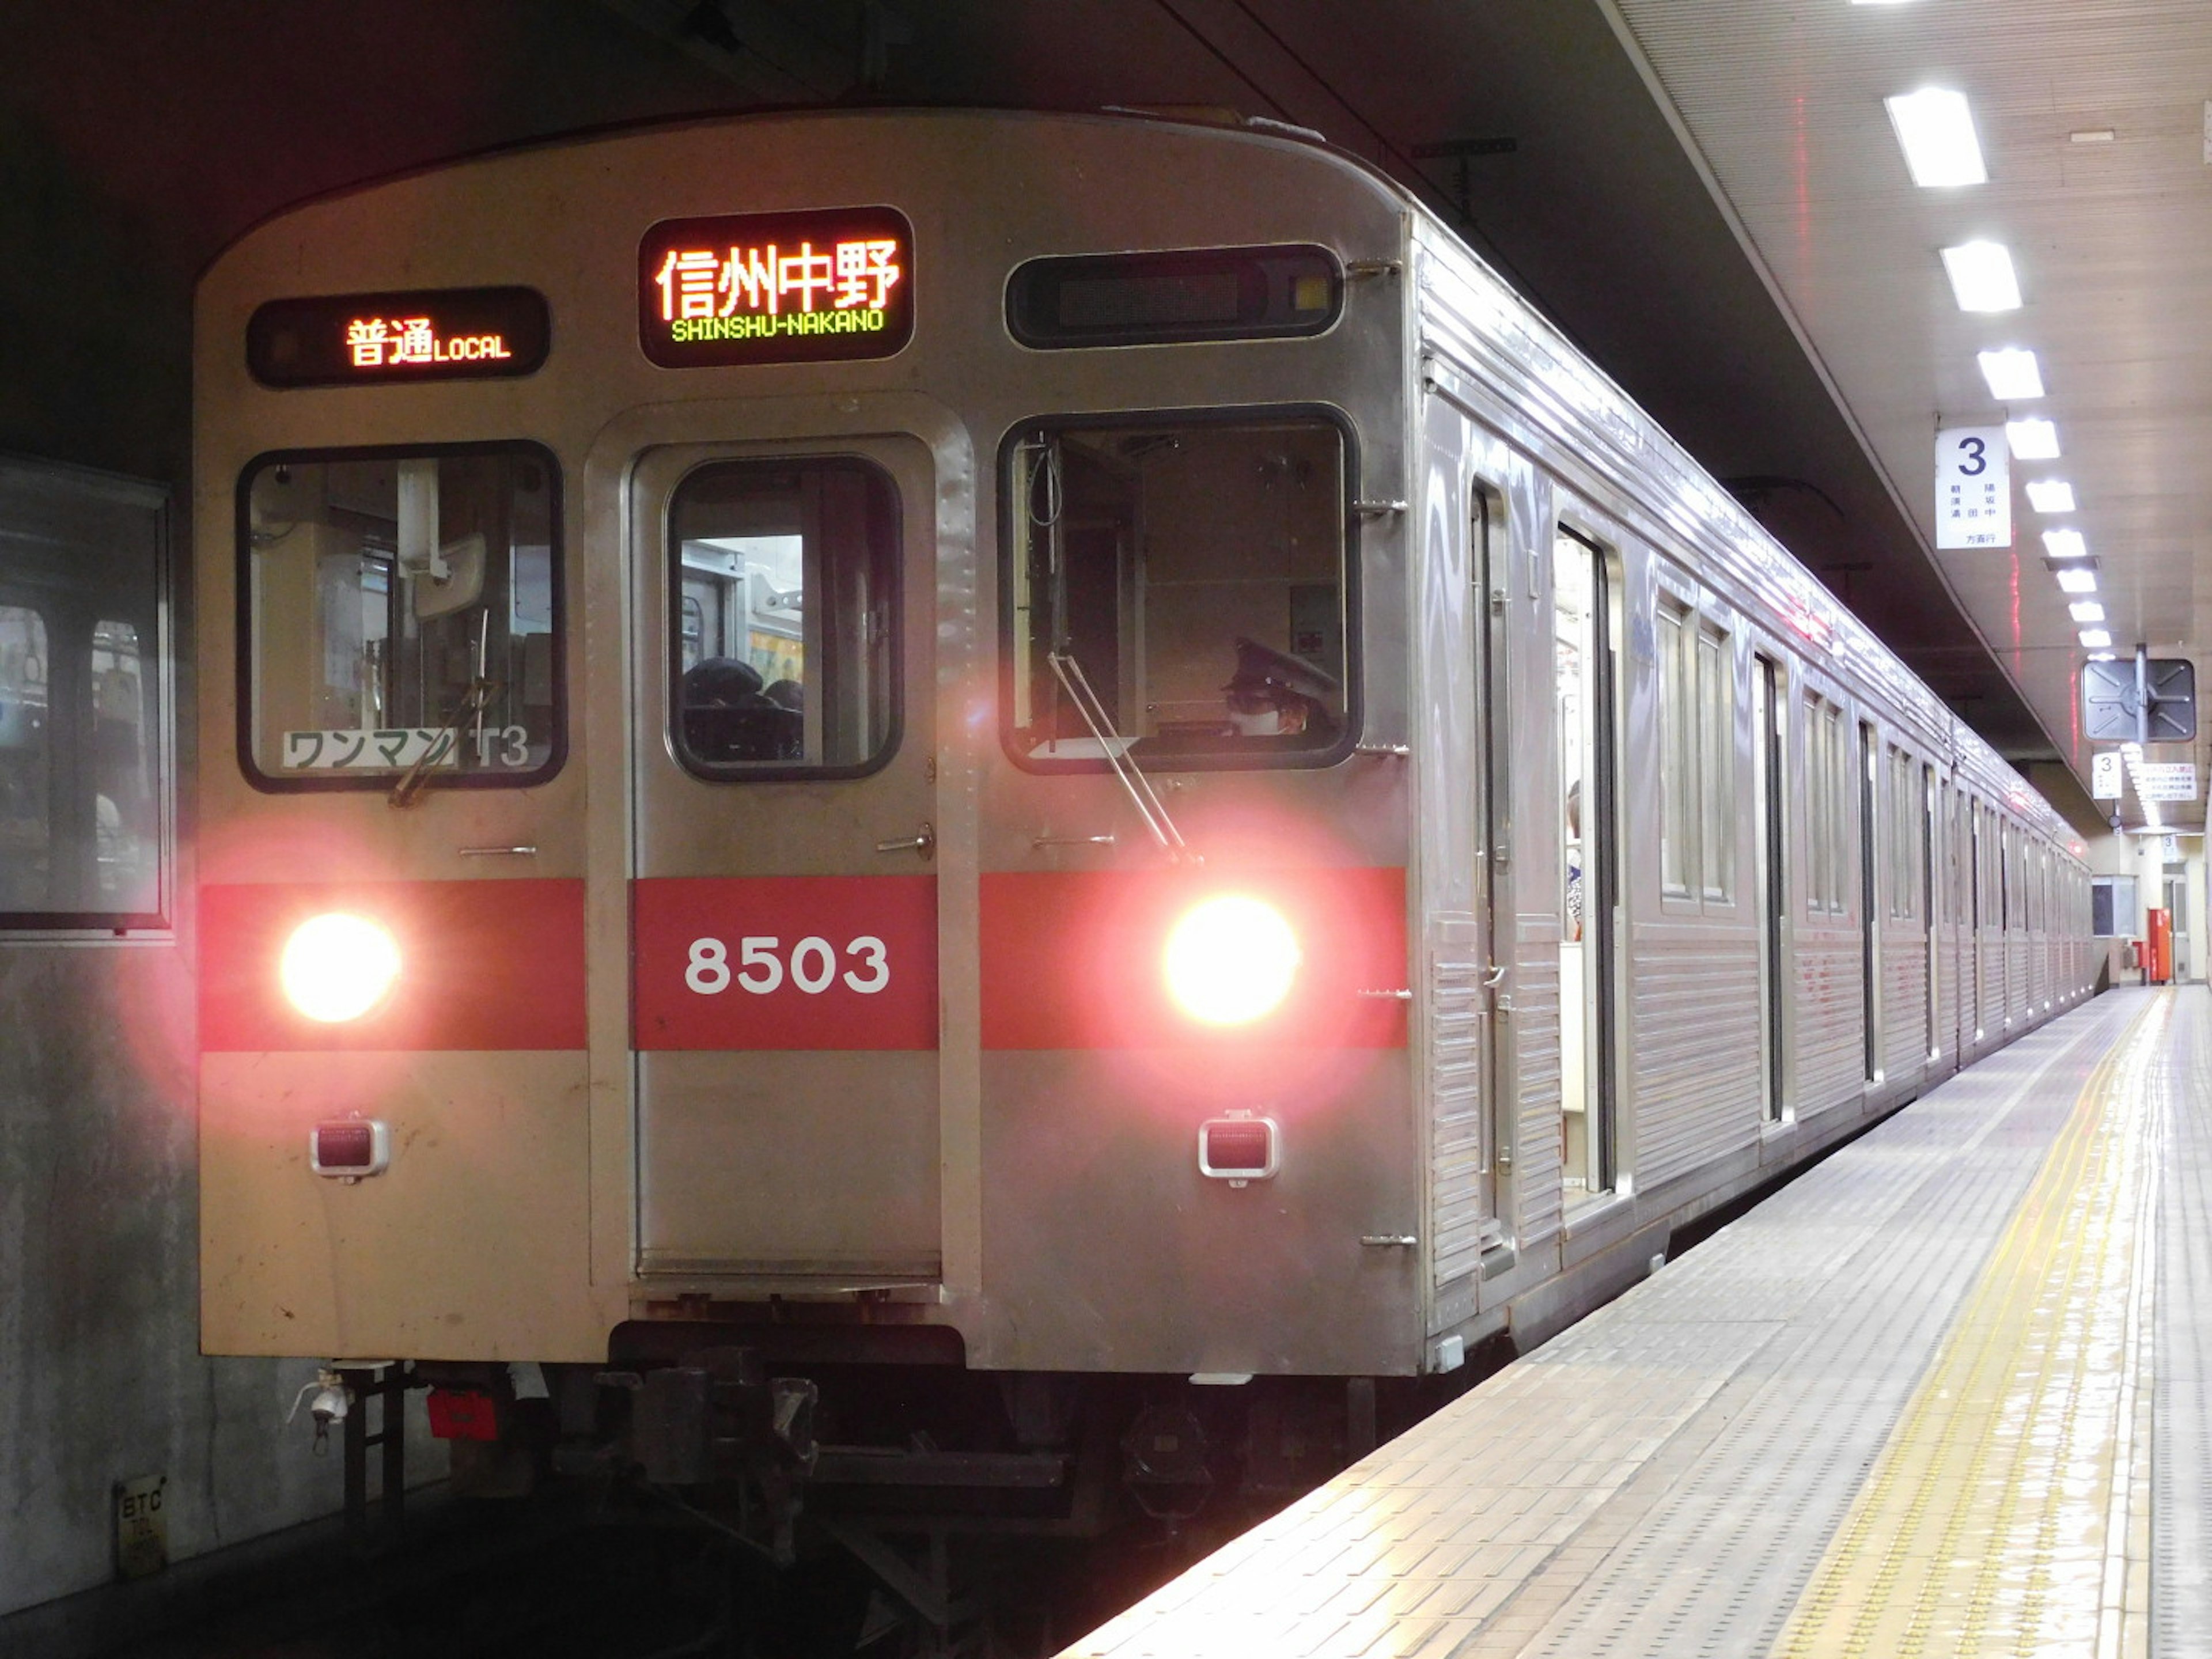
x: 1945, y: 1394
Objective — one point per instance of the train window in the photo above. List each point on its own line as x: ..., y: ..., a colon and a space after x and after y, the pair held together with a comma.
x: 1158, y: 299
x: 27, y: 757
x: 1697, y: 769
x: 1817, y: 807
x: 1717, y: 758
x: 84, y: 806
x: 401, y: 618
x: 1181, y: 589
x: 1827, y: 813
x: 1904, y: 837
x: 1678, y: 750
x: 783, y: 578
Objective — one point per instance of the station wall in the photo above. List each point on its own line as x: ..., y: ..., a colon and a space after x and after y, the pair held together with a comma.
x: 117, y: 184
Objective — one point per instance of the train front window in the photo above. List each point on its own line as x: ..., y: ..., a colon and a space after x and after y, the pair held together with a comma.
x: 1194, y: 573
x: 783, y: 578
x: 402, y: 618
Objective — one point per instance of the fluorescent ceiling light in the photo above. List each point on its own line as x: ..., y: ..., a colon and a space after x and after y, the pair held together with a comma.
x: 2104, y: 656
x: 2032, y: 440
x: 1937, y: 131
x: 2065, y: 545
x: 2051, y: 496
x: 2077, y: 579
x: 2095, y: 638
x: 2085, y: 610
x: 2011, y: 374
x: 1982, y: 277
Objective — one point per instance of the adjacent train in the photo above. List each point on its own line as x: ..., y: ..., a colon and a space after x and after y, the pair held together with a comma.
x: 944, y: 811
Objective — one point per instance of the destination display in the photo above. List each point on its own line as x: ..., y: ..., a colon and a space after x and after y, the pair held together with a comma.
x: 429, y: 334
x: 777, y: 287
x: 1181, y: 297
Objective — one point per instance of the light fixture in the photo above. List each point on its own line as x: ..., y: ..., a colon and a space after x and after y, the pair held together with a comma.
x: 2012, y: 374
x: 2085, y: 610
x: 1937, y: 131
x: 2091, y: 135
x: 2096, y: 639
x: 2051, y: 496
x: 338, y: 967
x: 1231, y: 960
x: 2065, y: 545
x: 2077, y: 578
x: 2104, y: 656
x: 1982, y: 277
x: 2032, y: 440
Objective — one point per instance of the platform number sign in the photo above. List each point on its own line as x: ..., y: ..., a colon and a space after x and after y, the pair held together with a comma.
x: 1973, y: 487
x: 2107, y: 780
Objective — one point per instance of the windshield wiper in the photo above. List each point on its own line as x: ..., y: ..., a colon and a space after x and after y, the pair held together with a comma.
x: 1142, y: 796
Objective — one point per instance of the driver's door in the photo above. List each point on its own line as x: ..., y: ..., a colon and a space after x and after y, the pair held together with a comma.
x: 785, y: 999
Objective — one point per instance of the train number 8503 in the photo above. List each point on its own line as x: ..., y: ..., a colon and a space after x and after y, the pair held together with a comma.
x: 811, y: 965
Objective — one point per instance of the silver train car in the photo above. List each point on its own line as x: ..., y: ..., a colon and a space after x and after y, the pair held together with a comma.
x: 944, y: 789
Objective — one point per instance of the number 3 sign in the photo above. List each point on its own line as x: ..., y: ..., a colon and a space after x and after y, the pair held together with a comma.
x: 1973, y: 487
x: 792, y: 962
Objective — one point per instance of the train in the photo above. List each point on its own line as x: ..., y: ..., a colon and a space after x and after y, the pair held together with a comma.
x: 962, y: 818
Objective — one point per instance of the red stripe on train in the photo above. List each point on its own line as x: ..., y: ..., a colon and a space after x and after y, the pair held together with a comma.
x: 483, y: 965
x: 1074, y: 960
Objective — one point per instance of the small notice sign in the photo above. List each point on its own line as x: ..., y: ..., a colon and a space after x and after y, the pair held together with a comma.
x: 2107, y: 775
x: 1973, y: 487
x: 142, y: 1530
x: 2166, y: 780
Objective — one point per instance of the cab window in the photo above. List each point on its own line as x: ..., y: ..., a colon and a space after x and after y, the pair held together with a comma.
x: 783, y: 579
x: 401, y: 618
x: 1178, y: 589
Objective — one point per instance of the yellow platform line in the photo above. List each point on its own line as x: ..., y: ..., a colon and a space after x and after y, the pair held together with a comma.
x: 1997, y: 1520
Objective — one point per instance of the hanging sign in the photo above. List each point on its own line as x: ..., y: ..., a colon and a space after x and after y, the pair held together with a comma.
x: 2107, y: 775
x: 429, y: 334
x: 1973, y: 487
x: 2166, y: 781
x: 775, y: 288
x: 2161, y: 709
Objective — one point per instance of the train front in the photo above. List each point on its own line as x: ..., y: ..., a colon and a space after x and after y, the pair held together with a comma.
x: 802, y: 777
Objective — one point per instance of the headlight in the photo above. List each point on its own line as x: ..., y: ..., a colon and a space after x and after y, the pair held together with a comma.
x: 338, y: 967
x: 1231, y: 960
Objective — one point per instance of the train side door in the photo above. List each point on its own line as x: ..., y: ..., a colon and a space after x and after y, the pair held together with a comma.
x: 1869, y: 769
x: 785, y: 908
x: 1583, y: 583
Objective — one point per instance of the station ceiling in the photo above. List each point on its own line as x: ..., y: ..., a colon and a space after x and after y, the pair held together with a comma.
x: 1706, y: 195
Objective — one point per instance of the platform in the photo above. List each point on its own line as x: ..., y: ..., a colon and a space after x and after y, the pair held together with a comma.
x: 1946, y: 1393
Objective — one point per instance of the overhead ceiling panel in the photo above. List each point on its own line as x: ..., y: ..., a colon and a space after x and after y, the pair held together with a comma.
x: 2112, y: 240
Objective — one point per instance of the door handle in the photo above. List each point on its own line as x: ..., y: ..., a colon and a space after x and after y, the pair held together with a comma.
x: 924, y: 843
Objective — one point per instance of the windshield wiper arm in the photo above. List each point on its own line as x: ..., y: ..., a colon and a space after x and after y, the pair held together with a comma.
x: 1142, y: 796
